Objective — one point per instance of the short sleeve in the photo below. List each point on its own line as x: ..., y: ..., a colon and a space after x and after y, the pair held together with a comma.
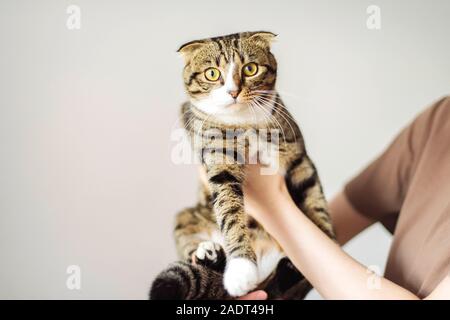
x: 379, y: 190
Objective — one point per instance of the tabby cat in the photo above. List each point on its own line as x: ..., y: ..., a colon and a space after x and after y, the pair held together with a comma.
x: 230, y: 81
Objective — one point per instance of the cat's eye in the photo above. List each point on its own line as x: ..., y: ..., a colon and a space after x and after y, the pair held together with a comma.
x: 250, y: 69
x: 212, y: 74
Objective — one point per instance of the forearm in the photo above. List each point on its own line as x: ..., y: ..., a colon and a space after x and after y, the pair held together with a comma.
x: 333, y: 273
x: 347, y: 221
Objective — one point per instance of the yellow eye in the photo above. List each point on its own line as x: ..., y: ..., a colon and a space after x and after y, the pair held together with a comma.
x: 250, y: 69
x: 212, y: 74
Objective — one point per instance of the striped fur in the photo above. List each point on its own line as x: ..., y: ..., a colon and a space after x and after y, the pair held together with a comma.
x: 219, y: 216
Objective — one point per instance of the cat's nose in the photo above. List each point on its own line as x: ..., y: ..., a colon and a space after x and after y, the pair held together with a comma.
x: 234, y: 93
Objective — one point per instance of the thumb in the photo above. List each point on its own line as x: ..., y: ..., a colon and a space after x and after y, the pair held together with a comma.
x: 255, y: 295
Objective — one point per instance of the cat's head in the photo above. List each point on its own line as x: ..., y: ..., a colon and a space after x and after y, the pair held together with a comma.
x: 231, y: 77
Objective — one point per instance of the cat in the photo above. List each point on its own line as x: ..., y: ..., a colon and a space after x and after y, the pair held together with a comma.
x: 230, y: 82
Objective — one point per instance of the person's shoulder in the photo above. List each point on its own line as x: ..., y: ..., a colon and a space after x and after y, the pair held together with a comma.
x: 440, y: 110
x: 444, y: 102
x: 435, y: 120
x: 434, y: 113
x: 427, y: 124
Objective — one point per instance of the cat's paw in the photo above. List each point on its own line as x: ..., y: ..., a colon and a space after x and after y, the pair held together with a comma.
x: 210, y: 254
x: 241, y: 276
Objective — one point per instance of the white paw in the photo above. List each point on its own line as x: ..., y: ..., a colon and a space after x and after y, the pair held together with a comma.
x: 241, y: 276
x: 208, y: 250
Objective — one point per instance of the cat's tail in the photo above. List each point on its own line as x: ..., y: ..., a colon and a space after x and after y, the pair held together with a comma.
x: 185, y: 281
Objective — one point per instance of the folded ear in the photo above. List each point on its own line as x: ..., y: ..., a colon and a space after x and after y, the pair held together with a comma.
x: 189, y: 48
x: 263, y: 38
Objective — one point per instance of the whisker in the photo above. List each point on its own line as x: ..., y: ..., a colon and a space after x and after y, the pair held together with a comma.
x: 283, y: 107
x: 253, y: 112
x: 289, y: 94
x: 189, y: 122
x: 285, y: 119
x: 264, y: 115
x: 261, y: 107
x: 280, y: 113
x: 178, y: 119
x: 198, y: 132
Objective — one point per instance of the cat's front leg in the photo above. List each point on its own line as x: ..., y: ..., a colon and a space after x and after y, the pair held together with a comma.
x: 241, y: 273
x: 306, y: 190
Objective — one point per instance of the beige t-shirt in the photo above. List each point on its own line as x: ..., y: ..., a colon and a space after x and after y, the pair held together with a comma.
x: 408, y: 190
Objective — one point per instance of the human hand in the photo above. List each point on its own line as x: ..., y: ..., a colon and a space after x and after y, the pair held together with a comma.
x: 264, y: 195
x: 255, y: 295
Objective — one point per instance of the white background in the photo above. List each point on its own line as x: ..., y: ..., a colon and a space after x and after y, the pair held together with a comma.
x: 86, y: 117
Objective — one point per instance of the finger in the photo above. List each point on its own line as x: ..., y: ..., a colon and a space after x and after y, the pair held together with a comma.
x: 194, y: 260
x: 255, y: 295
